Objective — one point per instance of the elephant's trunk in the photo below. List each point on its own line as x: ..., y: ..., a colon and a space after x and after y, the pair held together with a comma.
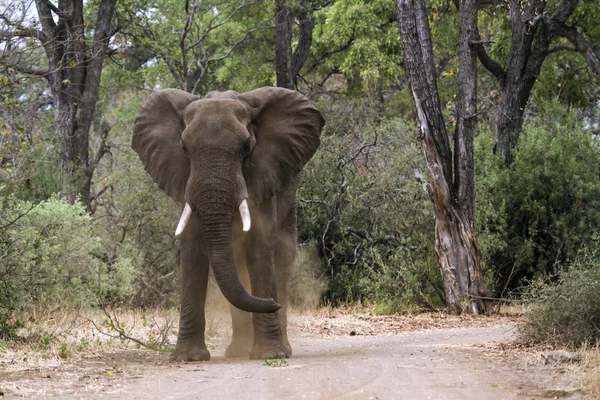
x: 216, y: 217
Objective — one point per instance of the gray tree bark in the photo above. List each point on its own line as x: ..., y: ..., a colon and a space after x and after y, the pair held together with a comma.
x: 533, y: 28
x: 451, y: 195
x: 287, y: 63
x: 74, y: 69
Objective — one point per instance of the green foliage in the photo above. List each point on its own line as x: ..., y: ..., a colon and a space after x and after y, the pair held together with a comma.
x: 190, y: 44
x: 47, y: 252
x: 364, y: 38
x: 534, y: 216
x: 44, y: 256
x: 63, y: 351
x: 135, y: 219
x: 277, y: 362
x: 49, y: 256
x: 567, y: 312
x: 362, y: 207
x: 29, y: 161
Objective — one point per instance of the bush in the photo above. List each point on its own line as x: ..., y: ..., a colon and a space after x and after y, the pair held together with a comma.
x: 566, y: 312
x: 47, y: 258
x: 361, y: 205
x: 135, y: 220
x: 534, y: 217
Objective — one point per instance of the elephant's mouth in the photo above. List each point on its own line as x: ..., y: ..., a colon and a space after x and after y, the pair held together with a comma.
x: 187, y: 213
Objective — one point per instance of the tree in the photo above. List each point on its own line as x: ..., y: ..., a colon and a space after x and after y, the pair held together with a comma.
x: 358, y: 40
x: 192, y: 37
x: 450, y: 191
x: 288, y: 64
x: 74, y: 55
x: 534, y: 26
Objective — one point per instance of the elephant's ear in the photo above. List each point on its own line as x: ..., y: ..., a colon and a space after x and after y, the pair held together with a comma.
x: 287, y: 128
x: 157, y: 140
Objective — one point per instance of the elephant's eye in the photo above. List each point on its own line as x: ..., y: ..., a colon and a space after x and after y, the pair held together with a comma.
x: 246, y: 149
x: 183, y: 147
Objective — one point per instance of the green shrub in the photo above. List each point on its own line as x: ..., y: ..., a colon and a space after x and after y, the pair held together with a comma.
x: 49, y: 257
x: 534, y: 217
x: 566, y: 312
x: 361, y: 205
x: 135, y: 220
x: 48, y: 251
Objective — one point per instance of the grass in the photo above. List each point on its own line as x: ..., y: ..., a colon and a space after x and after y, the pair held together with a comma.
x: 277, y: 362
x: 590, y: 371
x: 66, y: 333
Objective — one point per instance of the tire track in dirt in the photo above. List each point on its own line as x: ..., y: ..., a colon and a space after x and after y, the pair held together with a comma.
x: 440, y: 364
x: 435, y: 364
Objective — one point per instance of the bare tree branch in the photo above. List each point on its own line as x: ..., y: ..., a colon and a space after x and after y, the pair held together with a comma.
x: 489, y: 64
x: 173, y: 70
x: 207, y: 63
x: 304, y: 40
x: 24, y: 69
x: 564, y: 10
x: 56, y: 11
x: 557, y: 49
x: 583, y: 47
x: 46, y: 19
x: 21, y: 215
x: 20, y: 30
x: 213, y: 27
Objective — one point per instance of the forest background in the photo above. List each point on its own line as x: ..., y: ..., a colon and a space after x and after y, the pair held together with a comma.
x: 82, y: 225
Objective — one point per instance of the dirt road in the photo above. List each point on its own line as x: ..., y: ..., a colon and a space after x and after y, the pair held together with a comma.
x: 436, y: 364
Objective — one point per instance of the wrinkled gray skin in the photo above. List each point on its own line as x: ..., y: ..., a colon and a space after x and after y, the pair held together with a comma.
x: 213, y: 153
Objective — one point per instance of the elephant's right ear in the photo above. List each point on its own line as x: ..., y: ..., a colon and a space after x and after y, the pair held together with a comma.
x: 157, y: 140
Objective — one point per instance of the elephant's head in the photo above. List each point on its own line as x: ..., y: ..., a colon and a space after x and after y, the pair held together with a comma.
x: 213, y: 154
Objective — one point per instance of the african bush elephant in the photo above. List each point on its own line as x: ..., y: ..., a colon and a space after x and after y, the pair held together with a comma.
x: 214, y: 155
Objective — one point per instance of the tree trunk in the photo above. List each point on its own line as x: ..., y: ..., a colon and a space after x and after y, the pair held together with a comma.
x: 458, y: 255
x: 74, y: 77
x: 466, y: 121
x: 288, y: 64
x: 533, y: 28
x: 283, y: 45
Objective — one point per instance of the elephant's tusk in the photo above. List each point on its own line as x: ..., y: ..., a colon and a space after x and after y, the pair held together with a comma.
x: 245, y: 213
x: 185, y: 218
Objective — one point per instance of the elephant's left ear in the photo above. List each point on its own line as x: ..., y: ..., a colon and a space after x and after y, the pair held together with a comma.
x: 288, y: 129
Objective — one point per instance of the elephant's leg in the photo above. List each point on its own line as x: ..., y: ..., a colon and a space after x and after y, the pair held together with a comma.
x: 241, y: 321
x: 285, y: 255
x: 194, y: 279
x: 260, y: 258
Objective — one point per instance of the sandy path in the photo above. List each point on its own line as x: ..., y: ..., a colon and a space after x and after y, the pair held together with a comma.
x: 417, y: 365
x: 438, y: 364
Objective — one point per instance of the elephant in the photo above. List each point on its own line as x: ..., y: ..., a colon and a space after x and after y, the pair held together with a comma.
x: 214, y: 156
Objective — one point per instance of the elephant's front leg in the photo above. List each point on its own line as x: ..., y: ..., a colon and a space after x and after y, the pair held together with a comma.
x: 285, y: 255
x: 194, y: 279
x: 260, y: 259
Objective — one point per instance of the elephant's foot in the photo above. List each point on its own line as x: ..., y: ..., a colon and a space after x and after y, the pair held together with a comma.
x: 265, y: 351
x: 287, y: 347
x: 238, y: 348
x: 190, y: 352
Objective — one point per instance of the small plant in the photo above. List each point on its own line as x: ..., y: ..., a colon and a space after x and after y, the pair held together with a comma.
x: 84, y: 343
x: 277, y: 362
x: 46, y: 340
x: 63, y: 351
